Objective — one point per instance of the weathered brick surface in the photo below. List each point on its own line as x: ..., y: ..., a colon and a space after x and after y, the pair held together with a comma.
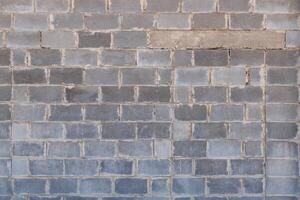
x: 149, y: 99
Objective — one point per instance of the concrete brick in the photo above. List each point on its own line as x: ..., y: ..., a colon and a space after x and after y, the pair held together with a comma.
x: 80, y: 94
x: 253, y: 185
x: 5, y: 93
x: 91, y: 6
x: 28, y: 112
x: 246, y: 21
x: 182, y: 94
x: 154, y: 94
x: 102, y: 22
x: 45, y: 130
x: 199, y: 6
x: 23, y: 39
x: 81, y: 167
x: 226, y: 112
x: 165, y: 76
x: 94, y: 40
x: 135, y: 148
x: 28, y: 149
x: 211, y: 167
x: 18, y: 57
x: 292, y: 39
x: 137, y: 21
x: 221, y: 148
x: 187, y: 113
x: 224, y: 185
x: 5, y: 148
x: 246, y: 57
x: 66, y: 75
x: 68, y: 21
x: 117, y: 57
x: 29, y: 185
x: 282, y: 149
x: 191, y: 76
x: 281, y: 186
x: 182, y: 166
x: 31, y: 22
x: 247, y: 167
x: 209, y: 21
x: 101, y: 112
x: 138, y: 76
x: 95, y: 185
x: 20, y: 130
x: 153, y: 167
x: 282, y: 167
x: 58, y: 40
x: 81, y: 131
x: 45, y: 57
x: 210, y: 94
x: 182, y: 58
x: 5, y: 130
x: 137, y: 112
x: 173, y: 21
x: 131, y: 186
x: 162, y: 148
x: 46, y: 167
x: 117, y: 94
x: 131, y: 6
x: 248, y: 94
x: 282, y: 21
x: 278, y: 130
x: 211, y: 57
x: 153, y: 130
x: 207, y: 39
x: 104, y: 76
x: 80, y: 57
x: 160, y: 186
x: 5, y: 57
x: 282, y: 94
x: 118, y: 131
x: 132, y: 39
x: 253, y: 148
x: 63, y: 149
x: 281, y: 112
x: 5, y: 167
x: 116, y: 167
x: 228, y: 76
x: 209, y: 130
x: 282, y: 76
x: 16, y: 5
x: 5, y: 21
x: 5, y: 77
x: 63, y: 185
x: 19, y: 167
x: 282, y: 58
x: 5, y: 112
x: 46, y: 94
x: 245, y: 131
x: 52, y: 6
x: 188, y: 186
x: 20, y: 93
x: 234, y: 5
x: 153, y: 58
x: 165, y: 6
x: 65, y: 113
x: 278, y: 6
x: 190, y: 148
x: 99, y: 149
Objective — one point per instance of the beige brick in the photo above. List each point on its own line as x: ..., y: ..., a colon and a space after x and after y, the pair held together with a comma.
x: 217, y: 39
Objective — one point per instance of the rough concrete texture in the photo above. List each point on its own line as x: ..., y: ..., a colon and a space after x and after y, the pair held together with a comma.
x: 149, y: 99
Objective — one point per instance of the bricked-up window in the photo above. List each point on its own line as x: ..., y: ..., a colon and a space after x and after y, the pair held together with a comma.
x: 149, y: 99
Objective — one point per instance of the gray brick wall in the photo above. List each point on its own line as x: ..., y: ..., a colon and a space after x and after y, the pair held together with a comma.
x: 149, y: 99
